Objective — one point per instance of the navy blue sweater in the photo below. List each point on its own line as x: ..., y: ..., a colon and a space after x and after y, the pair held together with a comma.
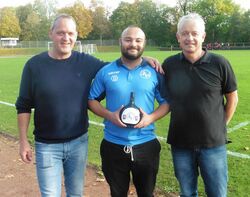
x: 58, y: 91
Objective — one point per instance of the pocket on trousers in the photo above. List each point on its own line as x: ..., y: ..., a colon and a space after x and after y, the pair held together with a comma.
x: 84, y: 137
x: 43, y: 159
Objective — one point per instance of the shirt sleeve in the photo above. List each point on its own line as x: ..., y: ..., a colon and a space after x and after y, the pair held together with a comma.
x: 96, y: 64
x: 229, y: 79
x: 24, y: 101
x: 97, y: 90
x: 160, y: 92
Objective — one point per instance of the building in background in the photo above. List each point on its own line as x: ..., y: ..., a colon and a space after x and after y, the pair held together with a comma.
x: 9, y: 42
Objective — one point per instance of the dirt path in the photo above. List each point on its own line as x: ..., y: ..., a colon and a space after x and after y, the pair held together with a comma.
x: 18, y: 179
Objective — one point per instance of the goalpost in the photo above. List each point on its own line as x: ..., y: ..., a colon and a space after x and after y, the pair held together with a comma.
x: 77, y: 47
x: 90, y: 48
x: 86, y: 48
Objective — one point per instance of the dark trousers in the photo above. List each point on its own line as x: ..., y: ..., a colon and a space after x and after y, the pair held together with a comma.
x: 142, y: 163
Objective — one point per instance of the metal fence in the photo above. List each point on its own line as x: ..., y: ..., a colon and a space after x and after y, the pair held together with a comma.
x: 44, y: 44
x: 98, y: 43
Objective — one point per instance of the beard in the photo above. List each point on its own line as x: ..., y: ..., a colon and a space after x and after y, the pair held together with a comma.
x: 129, y: 56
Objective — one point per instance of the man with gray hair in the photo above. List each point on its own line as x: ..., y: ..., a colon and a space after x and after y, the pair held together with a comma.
x: 203, y: 97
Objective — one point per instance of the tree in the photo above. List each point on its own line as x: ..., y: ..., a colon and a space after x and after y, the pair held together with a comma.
x: 245, y: 30
x: 9, y: 24
x: 46, y: 9
x: 216, y: 14
x: 169, y: 16
x: 147, y: 15
x: 184, y: 6
x: 101, y: 24
x: 155, y: 25
x: 36, y: 19
x: 82, y: 17
x: 31, y: 28
x: 124, y: 15
x: 22, y: 13
x: 234, y: 33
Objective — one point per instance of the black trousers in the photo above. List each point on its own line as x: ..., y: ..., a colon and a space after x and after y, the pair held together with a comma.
x: 142, y: 162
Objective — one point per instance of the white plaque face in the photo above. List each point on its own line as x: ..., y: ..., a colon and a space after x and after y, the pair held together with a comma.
x: 130, y: 116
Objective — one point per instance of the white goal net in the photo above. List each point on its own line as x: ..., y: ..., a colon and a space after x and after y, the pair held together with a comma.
x: 86, y: 48
x: 77, y: 47
x: 90, y: 48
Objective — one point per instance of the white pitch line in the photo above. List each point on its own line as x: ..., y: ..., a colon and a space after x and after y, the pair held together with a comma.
x: 5, y: 103
x: 161, y: 138
x: 238, y: 126
x: 96, y: 123
x: 235, y: 154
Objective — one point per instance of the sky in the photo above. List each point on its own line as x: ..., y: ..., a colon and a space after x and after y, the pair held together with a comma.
x: 111, y: 4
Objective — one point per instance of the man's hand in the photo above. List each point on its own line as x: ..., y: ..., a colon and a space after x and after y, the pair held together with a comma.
x: 145, y: 121
x: 24, y: 146
x: 154, y: 63
x: 25, y: 151
x: 114, y: 117
x: 231, y: 104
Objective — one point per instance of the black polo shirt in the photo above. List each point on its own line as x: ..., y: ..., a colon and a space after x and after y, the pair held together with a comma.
x: 196, y: 93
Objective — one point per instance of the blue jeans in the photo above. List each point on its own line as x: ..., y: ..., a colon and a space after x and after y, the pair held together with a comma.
x: 53, y: 159
x: 210, y: 162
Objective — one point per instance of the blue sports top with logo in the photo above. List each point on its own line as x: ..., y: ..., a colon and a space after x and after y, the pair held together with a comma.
x: 116, y: 82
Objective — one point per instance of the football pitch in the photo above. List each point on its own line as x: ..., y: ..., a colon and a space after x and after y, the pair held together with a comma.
x: 238, y: 129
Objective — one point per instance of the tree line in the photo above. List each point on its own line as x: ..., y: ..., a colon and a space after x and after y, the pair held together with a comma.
x: 225, y: 21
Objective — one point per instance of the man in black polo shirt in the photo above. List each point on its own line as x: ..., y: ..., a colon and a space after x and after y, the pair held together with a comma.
x: 203, y: 97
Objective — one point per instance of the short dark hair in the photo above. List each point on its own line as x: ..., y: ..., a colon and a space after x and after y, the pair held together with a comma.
x: 61, y: 16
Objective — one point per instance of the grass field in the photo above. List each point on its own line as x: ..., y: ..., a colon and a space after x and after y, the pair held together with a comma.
x: 239, y: 173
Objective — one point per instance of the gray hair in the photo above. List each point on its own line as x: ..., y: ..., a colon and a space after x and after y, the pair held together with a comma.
x: 59, y: 17
x: 191, y: 17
